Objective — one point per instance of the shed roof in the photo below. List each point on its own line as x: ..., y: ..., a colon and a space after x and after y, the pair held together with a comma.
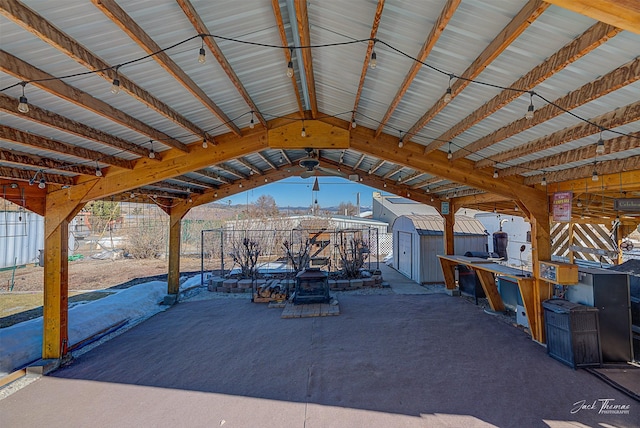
x: 433, y: 225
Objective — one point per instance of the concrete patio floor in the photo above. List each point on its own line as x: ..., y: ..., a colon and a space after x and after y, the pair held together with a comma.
x: 387, y: 361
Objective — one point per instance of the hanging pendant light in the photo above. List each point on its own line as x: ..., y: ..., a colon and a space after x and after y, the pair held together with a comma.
x: 316, y: 186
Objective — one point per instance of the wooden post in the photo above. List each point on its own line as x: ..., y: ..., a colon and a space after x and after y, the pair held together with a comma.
x: 571, y: 255
x: 56, y: 285
x: 449, y: 222
x: 541, y: 250
x: 175, y: 222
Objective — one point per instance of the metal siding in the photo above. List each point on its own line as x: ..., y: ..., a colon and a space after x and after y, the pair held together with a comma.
x: 430, y: 248
x: 20, y: 247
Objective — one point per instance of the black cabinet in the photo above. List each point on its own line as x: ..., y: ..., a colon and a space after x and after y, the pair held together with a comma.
x: 609, y: 292
x: 572, y: 333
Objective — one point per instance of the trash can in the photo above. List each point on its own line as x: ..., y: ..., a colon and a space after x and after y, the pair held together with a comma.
x: 573, y: 336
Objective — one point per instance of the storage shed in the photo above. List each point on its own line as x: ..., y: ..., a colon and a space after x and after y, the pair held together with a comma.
x: 418, y: 239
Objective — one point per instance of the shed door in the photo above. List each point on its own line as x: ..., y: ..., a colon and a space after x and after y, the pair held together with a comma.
x: 404, y: 253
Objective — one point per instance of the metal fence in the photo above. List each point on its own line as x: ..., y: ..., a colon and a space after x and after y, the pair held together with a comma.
x: 219, y: 245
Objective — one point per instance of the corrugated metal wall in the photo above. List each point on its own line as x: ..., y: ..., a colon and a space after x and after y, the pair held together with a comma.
x: 21, y: 236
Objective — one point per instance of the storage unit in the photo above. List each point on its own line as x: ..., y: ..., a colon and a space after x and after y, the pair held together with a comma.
x: 418, y: 239
x: 572, y: 333
x: 609, y: 292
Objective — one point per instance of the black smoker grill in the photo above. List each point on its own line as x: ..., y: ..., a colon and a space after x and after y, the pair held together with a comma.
x: 312, y: 286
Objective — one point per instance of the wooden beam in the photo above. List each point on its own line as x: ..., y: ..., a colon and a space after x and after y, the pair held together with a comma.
x: 432, y: 180
x: 393, y: 171
x: 189, y: 180
x: 24, y: 71
x: 614, y: 80
x: 624, y: 14
x: 576, y: 49
x: 36, y: 24
x: 285, y: 157
x: 211, y: 175
x: 610, y: 120
x: 53, y: 120
x: 170, y: 186
x: 358, y: 162
x: 275, y: 5
x: 114, y: 12
x: 612, y: 168
x: 613, y: 145
x: 201, y: 28
x: 26, y: 175
x: 436, y: 31
x: 367, y: 56
x: 411, y: 177
x: 252, y: 169
x: 266, y: 160
x: 529, y: 13
x: 377, y: 166
x: 230, y: 170
x: 305, y: 40
x: 319, y: 135
x: 42, y: 143
x: 21, y: 158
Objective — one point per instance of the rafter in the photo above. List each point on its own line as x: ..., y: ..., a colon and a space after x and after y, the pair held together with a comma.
x: 170, y: 186
x: 367, y: 57
x: 31, y: 21
x: 211, y: 175
x: 252, y: 168
x: 266, y: 160
x: 275, y: 5
x: 445, y: 16
x: 621, y: 13
x: 616, y: 79
x: 377, y: 166
x: 24, y: 71
x: 49, y: 118
x: 230, y: 170
x: 20, y: 158
x: 529, y: 13
x: 114, y: 12
x: 412, y: 177
x: 201, y: 28
x: 358, y: 162
x: 393, y: 172
x: 579, y: 47
x: 32, y: 140
x: 613, y: 145
x: 305, y: 40
x: 612, y: 167
x: 193, y: 181
x: 285, y: 157
x: 618, y: 117
x: 428, y: 182
x: 26, y: 175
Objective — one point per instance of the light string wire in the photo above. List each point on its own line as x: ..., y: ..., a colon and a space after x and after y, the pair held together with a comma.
x: 451, y: 76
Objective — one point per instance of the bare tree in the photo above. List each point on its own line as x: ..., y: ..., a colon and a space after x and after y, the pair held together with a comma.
x: 353, y: 253
x: 245, y: 254
x: 347, y: 208
x: 299, y: 255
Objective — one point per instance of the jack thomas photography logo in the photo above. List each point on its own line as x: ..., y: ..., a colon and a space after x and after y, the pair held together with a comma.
x: 603, y: 406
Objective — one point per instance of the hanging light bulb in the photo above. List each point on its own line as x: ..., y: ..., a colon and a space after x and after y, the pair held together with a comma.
x: 432, y: 199
x: 281, y: 159
x: 544, y: 181
x: 98, y: 170
x: 152, y: 154
x: 252, y: 123
x: 303, y: 133
x: 401, y: 142
x: 448, y: 95
x: 23, y: 104
x: 373, y: 63
x: 385, y: 184
x: 600, y: 145
x: 428, y: 189
x: 115, y: 84
x: 515, y: 208
x: 449, y: 154
x: 202, y: 54
x: 495, y: 173
x: 594, y: 176
x: 42, y: 184
x: 205, y: 144
x: 353, y: 123
x: 529, y: 114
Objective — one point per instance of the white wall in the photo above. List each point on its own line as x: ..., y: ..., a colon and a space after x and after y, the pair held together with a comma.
x: 21, y: 236
x: 516, y: 228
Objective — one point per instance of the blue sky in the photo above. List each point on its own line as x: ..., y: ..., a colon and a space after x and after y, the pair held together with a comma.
x: 296, y: 192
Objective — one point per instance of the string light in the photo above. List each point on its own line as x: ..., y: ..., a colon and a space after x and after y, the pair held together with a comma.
x: 202, y: 54
x: 290, y: 64
x: 594, y: 176
x: 373, y: 62
x: 205, y: 144
x: 23, y: 104
x: 98, y: 170
x: 152, y: 154
x: 495, y: 173
x: 544, y: 180
x: 252, y: 124
x: 449, y: 154
x: 384, y: 184
x: 401, y: 140
x: 600, y: 145
x: 42, y: 184
x: 353, y: 123
x: 448, y: 95
x: 115, y: 84
x: 303, y: 133
x: 529, y: 114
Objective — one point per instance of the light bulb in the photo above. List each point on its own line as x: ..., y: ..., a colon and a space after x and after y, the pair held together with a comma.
x: 428, y: 189
x: 374, y: 60
x: 290, y: 69
x: 281, y: 159
x: 303, y: 133
x: 495, y: 173
x: 252, y: 124
x: 400, y: 143
x: 544, y: 181
x: 98, y: 172
x: 152, y: 154
x: 449, y: 154
x: 202, y: 56
x: 385, y: 185
x: 594, y: 176
x: 600, y: 146
x: 266, y: 180
x: 115, y: 86
x: 23, y: 105
x: 353, y: 123
x: 529, y: 114
x: 215, y: 195
x: 448, y: 95
x: 240, y: 185
x: 432, y: 199
x: 42, y: 184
